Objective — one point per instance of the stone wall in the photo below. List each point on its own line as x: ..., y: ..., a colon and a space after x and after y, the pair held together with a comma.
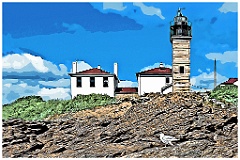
x: 181, y: 57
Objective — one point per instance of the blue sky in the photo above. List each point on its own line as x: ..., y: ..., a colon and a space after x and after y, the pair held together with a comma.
x: 40, y: 41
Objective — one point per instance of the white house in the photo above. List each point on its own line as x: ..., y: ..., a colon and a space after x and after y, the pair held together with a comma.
x: 155, y: 80
x: 93, y: 80
x: 230, y: 81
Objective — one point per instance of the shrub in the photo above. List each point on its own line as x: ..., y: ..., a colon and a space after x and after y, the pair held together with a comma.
x: 34, y: 108
x: 228, y: 93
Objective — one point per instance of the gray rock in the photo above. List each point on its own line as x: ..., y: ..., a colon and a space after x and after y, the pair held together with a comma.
x: 203, y: 129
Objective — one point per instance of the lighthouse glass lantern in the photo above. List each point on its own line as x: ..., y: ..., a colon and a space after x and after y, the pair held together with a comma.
x: 180, y: 26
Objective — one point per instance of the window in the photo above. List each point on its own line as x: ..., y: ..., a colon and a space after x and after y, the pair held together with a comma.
x: 179, y: 19
x: 179, y: 31
x: 79, y: 81
x: 105, y: 81
x: 167, y: 79
x: 92, y: 81
x: 181, y: 69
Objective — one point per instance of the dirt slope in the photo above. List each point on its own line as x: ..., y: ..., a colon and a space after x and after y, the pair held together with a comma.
x: 130, y: 129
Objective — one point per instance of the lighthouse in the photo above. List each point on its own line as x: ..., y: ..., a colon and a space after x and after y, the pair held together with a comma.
x: 180, y: 37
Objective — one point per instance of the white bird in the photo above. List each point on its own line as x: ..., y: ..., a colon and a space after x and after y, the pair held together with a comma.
x: 167, y: 139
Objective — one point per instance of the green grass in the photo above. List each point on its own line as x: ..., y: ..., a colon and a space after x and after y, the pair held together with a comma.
x: 228, y: 93
x: 35, y: 108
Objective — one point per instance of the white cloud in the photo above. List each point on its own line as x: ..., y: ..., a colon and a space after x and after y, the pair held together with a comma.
x: 7, y: 85
x: 228, y: 56
x: 199, y: 70
x: 55, y: 93
x: 208, y: 69
x: 54, y: 68
x: 23, y: 85
x: 127, y: 84
x: 229, y: 7
x: 155, y: 65
x: 150, y: 11
x: 37, y: 62
x: 114, y: 5
x: 23, y: 64
x: 13, y: 91
x: 59, y: 83
x: 206, y: 80
x: 81, y: 66
x: 20, y: 63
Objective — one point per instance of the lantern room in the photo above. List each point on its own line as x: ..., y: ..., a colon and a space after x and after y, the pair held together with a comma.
x: 180, y: 26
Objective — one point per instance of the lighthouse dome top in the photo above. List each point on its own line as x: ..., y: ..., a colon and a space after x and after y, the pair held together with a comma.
x: 179, y: 13
x: 180, y: 18
x: 180, y: 26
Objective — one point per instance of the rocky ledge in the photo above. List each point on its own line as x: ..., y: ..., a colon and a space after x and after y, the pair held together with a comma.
x: 130, y: 129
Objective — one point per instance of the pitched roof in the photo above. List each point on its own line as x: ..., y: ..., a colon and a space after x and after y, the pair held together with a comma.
x: 158, y: 70
x: 93, y: 71
x: 126, y: 90
x: 231, y: 81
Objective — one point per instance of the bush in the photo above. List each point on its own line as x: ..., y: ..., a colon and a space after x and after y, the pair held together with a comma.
x: 34, y: 108
x: 227, y: 93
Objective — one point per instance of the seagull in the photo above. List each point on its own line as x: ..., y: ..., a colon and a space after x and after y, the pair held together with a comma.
x: 167, y: 139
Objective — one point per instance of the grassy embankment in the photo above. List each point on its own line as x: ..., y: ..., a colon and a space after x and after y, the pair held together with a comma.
x: 35, y: 108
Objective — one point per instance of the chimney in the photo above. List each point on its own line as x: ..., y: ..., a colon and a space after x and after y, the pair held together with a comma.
x: 161, y: 65
x: 74, y: 67
x: 116, y: 69
x: 99, y: 67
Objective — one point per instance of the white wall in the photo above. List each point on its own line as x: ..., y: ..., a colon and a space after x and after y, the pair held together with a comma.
x: 236, y: 83
x: 115, y: 83
x: 168, y: 90
x: 152, y: 84
x: 98, y: 89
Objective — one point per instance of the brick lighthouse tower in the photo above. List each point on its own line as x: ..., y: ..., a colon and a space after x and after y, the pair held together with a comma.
x: 180, y: 37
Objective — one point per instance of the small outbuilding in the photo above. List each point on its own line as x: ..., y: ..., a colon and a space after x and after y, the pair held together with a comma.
x: 155, y: 80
